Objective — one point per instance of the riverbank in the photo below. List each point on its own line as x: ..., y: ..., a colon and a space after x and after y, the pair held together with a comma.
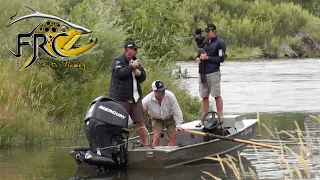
x: 36, y: 107
x: 295, y: 48
x: 48, y: 102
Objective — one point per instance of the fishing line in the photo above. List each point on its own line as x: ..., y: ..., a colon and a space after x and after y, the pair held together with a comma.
x: 130, y: 138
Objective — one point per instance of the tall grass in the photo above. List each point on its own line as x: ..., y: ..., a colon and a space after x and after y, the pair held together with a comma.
x: 39, y: 104
x: 299, y: 170
x: 42, y: 104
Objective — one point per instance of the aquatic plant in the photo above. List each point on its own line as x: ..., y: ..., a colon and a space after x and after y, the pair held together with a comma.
x: 316, y: 118
x: 293, y: 165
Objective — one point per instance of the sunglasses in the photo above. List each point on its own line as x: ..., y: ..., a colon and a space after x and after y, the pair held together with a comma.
x: 208, y: 30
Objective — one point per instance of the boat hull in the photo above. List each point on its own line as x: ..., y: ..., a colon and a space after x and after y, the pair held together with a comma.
x: 171, y: 157
x: 193, y: 149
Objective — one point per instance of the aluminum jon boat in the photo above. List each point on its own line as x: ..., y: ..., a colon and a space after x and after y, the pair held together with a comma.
x: 190, y: 148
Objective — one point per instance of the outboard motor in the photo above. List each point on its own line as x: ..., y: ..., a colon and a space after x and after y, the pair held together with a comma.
x: 212, y: 124
x: 105, y: 125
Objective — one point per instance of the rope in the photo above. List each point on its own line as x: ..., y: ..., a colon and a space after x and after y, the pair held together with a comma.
x: 128, y: 140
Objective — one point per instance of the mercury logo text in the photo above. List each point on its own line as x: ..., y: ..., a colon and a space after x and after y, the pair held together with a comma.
x: 112, y: 112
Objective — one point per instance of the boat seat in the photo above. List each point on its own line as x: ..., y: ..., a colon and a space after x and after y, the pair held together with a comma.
x: 193, y: 125
x: 228, y: 121
x: 232, y: 121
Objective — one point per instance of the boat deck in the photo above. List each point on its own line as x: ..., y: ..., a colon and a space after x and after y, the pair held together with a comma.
x: 184, y: 139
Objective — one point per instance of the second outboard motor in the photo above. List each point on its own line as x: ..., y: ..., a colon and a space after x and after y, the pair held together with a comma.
x: 106, y: 124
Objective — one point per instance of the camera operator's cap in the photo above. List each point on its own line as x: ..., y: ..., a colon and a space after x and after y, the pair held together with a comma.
x: 158, y: 85
x: 209, y: 27
x: 131, y: 45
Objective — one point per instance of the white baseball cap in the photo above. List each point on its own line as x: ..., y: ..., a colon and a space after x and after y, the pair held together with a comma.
x: 158, y: 85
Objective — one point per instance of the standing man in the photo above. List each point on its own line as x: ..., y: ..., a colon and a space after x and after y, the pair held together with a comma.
x: 127, y: 74
x: 209, y: 65
x: 165, y: 111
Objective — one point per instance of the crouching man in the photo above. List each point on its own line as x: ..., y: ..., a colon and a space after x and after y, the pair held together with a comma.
x: 165, y: 112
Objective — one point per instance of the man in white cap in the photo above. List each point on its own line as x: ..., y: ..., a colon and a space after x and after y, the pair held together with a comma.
x: 164, y: 109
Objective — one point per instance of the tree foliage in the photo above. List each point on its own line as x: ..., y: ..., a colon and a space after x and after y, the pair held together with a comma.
x: 38, y: 99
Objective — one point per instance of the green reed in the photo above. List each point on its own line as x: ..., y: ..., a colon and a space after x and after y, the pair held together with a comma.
x: 301, y: 170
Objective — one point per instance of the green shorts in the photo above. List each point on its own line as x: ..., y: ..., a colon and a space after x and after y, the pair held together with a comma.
x: 212, y: 86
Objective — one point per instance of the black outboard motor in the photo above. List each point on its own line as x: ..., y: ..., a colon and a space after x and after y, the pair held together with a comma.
x: 105, y: 125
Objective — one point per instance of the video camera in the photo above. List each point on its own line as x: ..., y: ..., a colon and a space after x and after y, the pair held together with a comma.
x: 199, y: 38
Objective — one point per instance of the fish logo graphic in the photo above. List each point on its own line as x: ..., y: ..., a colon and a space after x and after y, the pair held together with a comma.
x: 59, y: 38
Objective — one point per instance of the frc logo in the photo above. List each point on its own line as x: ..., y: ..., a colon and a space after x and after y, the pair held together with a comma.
x: 112, y: 112
x: 59, y: 38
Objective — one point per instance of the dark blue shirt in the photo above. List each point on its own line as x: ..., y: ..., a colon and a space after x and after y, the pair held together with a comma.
x: 216, y: 51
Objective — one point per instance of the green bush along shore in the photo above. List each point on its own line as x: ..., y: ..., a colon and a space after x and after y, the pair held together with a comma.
x: 40, y: 104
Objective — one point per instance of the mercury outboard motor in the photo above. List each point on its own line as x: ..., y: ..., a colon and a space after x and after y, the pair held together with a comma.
x: 105, y: 125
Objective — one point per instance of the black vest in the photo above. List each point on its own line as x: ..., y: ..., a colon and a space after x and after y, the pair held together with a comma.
x: 121, y: 84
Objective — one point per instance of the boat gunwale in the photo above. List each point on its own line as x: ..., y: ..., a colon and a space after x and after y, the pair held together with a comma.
x: 212, y: 141
x: 169, y: 150
x: 198, y: 159
x: 201, y: 143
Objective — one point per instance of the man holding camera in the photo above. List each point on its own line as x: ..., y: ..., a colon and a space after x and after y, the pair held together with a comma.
x: 127, y: 74
x: 211, y: 54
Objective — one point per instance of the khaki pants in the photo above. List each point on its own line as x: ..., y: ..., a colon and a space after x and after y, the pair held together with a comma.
x: 212, y: 86
x: 158, y: 125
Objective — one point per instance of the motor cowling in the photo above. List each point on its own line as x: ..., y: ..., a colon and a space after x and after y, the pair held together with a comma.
x: 105, y: 125
x: 108, y: 111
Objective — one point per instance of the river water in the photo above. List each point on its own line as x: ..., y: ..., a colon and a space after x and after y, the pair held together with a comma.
x: 266, y: 86
x: 283, y: 91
